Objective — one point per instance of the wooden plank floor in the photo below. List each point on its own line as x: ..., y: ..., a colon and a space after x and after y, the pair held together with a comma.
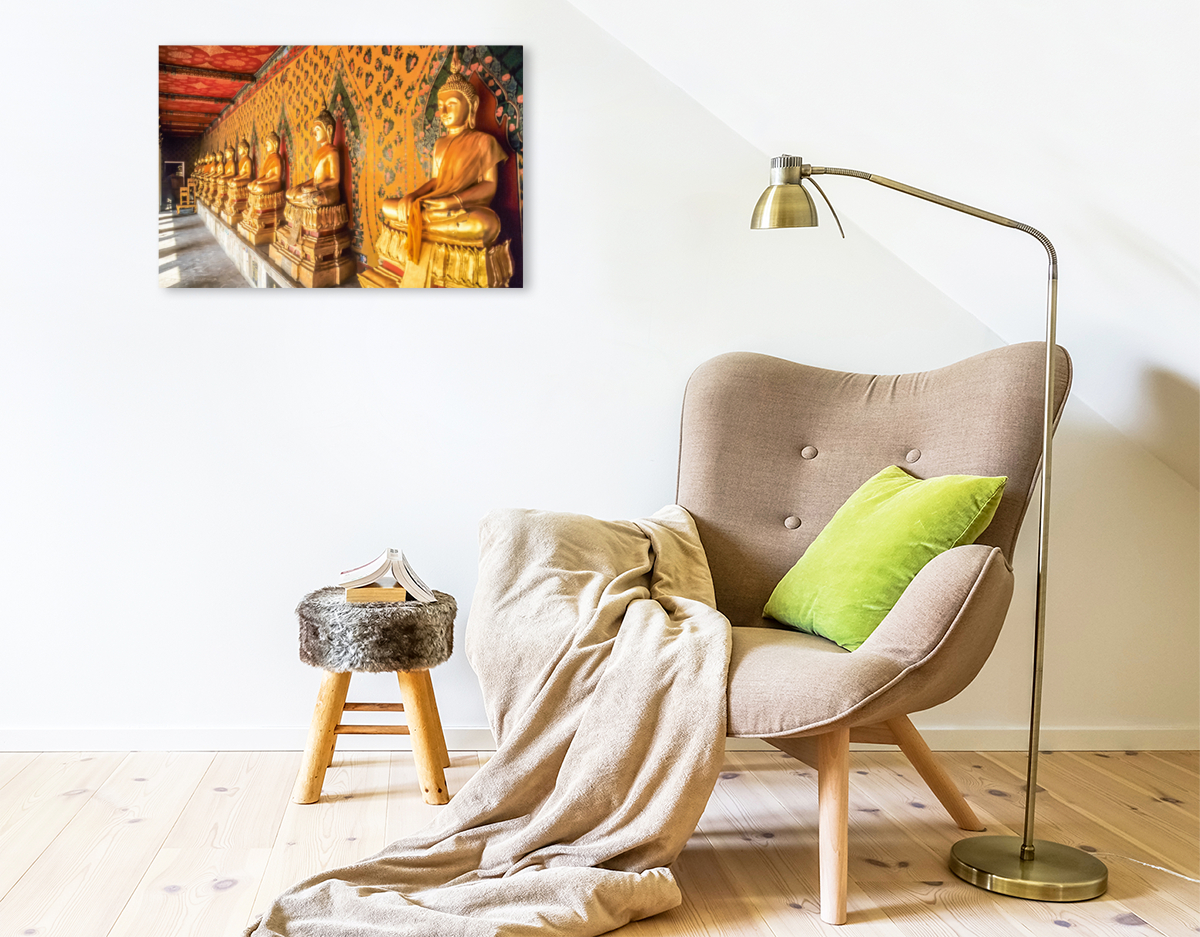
x: 160, y: 844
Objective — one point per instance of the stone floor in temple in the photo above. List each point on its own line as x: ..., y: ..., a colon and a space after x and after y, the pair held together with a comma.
x: 188, y: 256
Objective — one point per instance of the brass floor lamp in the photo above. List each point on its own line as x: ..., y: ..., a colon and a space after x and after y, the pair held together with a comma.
x: 1023, y: 867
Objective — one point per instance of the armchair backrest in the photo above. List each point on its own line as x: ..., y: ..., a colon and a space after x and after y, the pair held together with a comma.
x: 770, y: 449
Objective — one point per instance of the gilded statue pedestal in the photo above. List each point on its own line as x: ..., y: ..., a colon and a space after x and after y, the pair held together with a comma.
x: 235, y: 203
x: 261, y: 218
x: 440, y: 265
x: 313, y: 247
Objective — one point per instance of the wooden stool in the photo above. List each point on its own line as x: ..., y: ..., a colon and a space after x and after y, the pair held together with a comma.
x: 406, y: 637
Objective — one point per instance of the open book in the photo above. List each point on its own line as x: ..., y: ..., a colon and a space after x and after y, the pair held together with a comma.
x: 389, y: 561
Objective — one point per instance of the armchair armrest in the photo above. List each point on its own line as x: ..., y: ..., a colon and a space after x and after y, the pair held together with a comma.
x: 943, y: 596
x: 930, y: 646
x: 942, y: 630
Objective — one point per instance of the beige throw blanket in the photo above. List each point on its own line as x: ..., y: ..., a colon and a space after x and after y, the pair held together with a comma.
x: 603, y: 665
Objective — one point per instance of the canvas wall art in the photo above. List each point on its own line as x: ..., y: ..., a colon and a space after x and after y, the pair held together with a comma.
x: 377, y: 166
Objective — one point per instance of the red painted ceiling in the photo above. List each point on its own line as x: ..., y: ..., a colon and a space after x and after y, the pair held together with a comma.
x: 222, y: 58
x: 190, y: 84
x: 243, y: 60
x: 199, y: 107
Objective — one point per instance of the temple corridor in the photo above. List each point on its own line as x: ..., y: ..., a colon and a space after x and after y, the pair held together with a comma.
x: 311, y: 166
x: 188, y: 256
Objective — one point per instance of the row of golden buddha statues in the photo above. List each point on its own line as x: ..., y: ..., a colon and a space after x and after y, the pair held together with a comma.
x: 442, y: 233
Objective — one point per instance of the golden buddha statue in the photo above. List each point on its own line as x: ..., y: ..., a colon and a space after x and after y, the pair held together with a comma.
x: 270, y: 174
x: 265, y: 198
x: 443, y: 233
x: 245, y: 169
x: 325, y: 186
x: 235, y: 188
x: 206, y: 179
x: 312, y: 245
x: 227, y: 170
x: 214, y: 177
x: 200, y: 177
x: 214, y: 168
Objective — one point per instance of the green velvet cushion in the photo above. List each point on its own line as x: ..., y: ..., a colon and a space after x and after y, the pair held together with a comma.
x: 859, y: 565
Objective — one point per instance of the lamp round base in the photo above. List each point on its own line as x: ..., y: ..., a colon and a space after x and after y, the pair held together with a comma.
x: 1055, y: 873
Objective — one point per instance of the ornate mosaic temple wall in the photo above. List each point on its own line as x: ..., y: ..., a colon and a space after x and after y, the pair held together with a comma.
x: 384, y: 99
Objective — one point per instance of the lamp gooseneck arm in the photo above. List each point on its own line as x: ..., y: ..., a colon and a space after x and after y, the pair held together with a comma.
x: 1039, y: 634
x: 946, y: 202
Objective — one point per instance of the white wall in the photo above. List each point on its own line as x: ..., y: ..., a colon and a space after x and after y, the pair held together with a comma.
x: 182, y: 466
x: 1075, y: 116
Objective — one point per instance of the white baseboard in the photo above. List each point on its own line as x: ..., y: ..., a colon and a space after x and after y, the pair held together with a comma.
x: 240, y: 739
x: 1053, y: 739
x: 1063, y: 738
x: 291, y: 738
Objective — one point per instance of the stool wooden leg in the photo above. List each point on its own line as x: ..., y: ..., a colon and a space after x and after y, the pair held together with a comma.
x: 331, y: 699
x: 424, y: 728
x: 340, y: 700
x: 437, y: 720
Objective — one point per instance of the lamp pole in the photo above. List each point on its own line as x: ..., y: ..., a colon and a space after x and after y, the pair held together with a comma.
x: 1022, y: 867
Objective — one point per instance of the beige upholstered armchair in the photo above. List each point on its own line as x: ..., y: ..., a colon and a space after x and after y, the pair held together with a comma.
x: 769, y: 450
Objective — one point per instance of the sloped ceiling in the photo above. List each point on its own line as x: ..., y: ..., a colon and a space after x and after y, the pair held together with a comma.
x: 196, y: 83
x: 1077, y: 117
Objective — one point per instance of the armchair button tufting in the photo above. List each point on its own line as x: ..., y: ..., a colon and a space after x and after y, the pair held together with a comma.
x: 808, y: 452
x: 913, y: 455
x: 792, y: 522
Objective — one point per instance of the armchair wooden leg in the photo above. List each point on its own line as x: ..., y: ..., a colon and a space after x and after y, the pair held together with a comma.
x: 424, y: 727
x: 833, y: 784
x: 331, y: 699
x: 944, y: 789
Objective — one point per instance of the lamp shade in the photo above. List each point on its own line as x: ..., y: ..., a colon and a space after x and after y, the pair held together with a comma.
x: 784, y: 206
x: 785, y: 203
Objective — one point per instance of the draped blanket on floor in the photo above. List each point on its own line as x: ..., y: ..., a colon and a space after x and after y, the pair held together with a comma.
x: 603, y: 665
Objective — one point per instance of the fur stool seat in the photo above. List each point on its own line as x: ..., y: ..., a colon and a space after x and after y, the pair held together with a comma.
x: 375, y: 636
x: 406, y: 637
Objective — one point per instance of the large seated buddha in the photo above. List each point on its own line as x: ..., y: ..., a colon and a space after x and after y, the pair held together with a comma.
x: 313, y: 245
x: 443, y: 233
